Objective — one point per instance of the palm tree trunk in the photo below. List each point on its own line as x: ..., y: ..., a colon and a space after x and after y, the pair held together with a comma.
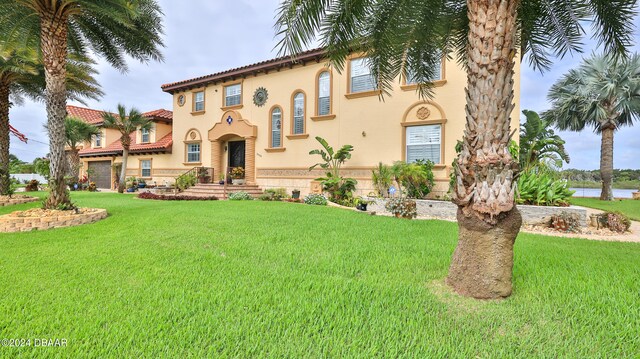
x: 488, y: 220
x: 5, y: 141
x: 606, y: 164
x: 53, y: 35
x: 123, y: 171
x: 73, y: 157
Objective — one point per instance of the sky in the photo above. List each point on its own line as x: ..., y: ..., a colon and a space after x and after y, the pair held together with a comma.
x: 207, y: 36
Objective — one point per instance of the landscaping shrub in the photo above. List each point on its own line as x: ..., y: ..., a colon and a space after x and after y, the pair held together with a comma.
x: 540, y: 187
x: 566, y: 222
x: 415, y: 179
x: 340, y: 189
x: 240, y: 196
x: 402, y: 207
x: 316, y: 199
x: 162, y: 197
x: 186, y: 181
x: 617, y: 222
x: 274, y: 194
x: 382, y: 179
x: 32, y: 186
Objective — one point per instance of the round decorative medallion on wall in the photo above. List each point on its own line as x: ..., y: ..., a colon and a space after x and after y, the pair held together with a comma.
x: 260, y: 96
x: 423, y: 113
x: 192, y: 135
x: 181, y: 100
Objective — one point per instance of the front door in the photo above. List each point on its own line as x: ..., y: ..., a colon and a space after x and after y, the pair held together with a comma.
x: 236, y: 154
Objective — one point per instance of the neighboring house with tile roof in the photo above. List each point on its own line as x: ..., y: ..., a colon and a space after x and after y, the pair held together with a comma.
x: 265, y: 117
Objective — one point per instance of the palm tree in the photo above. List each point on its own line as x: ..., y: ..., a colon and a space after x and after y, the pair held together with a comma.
x: 485, y: 35
x: 125, y: 124
x: 22, y: 74
x: 603, y: 92
x: 110, y: 28
x: 539, y: 144
x: 76, y: 132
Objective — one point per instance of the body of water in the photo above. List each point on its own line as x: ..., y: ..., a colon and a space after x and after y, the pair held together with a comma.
x: 595, y: 192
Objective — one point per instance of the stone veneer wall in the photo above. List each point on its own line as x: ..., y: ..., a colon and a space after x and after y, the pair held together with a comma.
x: 531, y: 215
x: 9, y: 223
x: 22, y: 200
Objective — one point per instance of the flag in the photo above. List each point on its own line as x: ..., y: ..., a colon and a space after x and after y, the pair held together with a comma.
x: 17, y: 133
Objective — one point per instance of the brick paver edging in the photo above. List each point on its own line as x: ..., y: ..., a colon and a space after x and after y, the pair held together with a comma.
x: 19, y: 200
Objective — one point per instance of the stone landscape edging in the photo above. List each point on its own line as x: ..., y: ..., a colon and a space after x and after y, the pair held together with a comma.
x: 21, y: 200
x: 10, y: 223
x: 531, y: 215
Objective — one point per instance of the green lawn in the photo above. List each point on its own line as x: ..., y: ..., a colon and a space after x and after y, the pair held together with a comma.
x: 270, y: 279
x: 629, y: 207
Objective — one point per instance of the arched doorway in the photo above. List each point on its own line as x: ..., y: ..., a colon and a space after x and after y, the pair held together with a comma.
x: 233, y: 144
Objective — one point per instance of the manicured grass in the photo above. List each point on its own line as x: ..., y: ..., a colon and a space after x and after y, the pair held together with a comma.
x: 269, y: 279
x: 629, y: 207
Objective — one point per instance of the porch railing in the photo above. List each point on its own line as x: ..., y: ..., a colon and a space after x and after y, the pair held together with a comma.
x: 201, y: 175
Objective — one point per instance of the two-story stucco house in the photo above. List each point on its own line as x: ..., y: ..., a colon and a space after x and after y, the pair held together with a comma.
x: 265, y: 117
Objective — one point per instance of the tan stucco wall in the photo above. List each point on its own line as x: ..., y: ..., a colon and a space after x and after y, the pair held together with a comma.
x: 374, y: 127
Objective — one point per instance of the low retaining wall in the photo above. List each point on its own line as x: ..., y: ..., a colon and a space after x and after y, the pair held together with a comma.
x: 531, y: 215
x: 17, y: 200
x: 14, y: 222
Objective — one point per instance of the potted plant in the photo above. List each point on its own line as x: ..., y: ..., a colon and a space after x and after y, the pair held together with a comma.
x: 361, y: 203
x: 203, y: 175
x: 295, y: 194
x: 92, y: 187
x: 131, y: 183
x: 237, y: 175
x: 142, y: 183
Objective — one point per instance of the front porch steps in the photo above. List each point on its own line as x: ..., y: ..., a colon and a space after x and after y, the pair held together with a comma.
x: 214, y: 189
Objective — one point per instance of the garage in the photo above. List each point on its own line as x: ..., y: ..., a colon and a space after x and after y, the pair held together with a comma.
x: 100, y: 173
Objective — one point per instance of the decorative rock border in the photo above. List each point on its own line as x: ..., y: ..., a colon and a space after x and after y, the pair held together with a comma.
x: 531, y: 215
x: 18, y: 200
x: 18, y: 222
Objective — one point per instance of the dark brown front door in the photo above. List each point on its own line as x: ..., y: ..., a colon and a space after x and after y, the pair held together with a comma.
x: 100, y: 173
x: 236, y: 154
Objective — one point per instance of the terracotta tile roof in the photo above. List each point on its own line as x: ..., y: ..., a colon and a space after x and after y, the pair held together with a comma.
x: 88, y: 115
x: 314, y: 54
x: 163, y: 145
x: 160, y: 114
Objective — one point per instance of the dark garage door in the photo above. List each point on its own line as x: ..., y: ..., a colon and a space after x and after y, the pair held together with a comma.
x: 101, y: 173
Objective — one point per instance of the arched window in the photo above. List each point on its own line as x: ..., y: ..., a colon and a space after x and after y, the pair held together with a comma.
x: 298, y: 105
x: 324, y: 94
x: 276, y: 127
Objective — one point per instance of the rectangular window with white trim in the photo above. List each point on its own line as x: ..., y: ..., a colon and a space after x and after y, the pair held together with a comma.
x: 198, y: 101
x: 144, y: 133
x: 361, y: 78
x: 233, y: 95
x: 437, y: 75
x: 193, y: 152
x: 424, y: 143
x: 97, y: 140
x: 145, y: 168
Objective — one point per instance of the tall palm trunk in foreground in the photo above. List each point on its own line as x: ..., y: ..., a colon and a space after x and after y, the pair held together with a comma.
x: 5, y: 141
x: 53, y: 34
x: 488, y: 220
x: 606, y: 163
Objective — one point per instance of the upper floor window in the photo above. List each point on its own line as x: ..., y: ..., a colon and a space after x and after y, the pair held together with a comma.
x: 423, y: 143
x: 298, y: 113
x: 145, y: 168
x: 324, y: 94
x: 145, y: 134
x: 193, y: 152
x: 276, y: 127
x: 233, y: 95
x: 97, y: 140
x: 437, y: 75
x: 361, y: 79
x: 198, y: 101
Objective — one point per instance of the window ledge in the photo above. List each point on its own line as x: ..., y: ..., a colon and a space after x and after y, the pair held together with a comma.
x: 194, y: 164
x: 277, y: 149
x: 363, y: 94
x: 298, y: 136
x: 234, y: 107
x: 323, y: 118
x: 413, y: 87
x: 197, y: 113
